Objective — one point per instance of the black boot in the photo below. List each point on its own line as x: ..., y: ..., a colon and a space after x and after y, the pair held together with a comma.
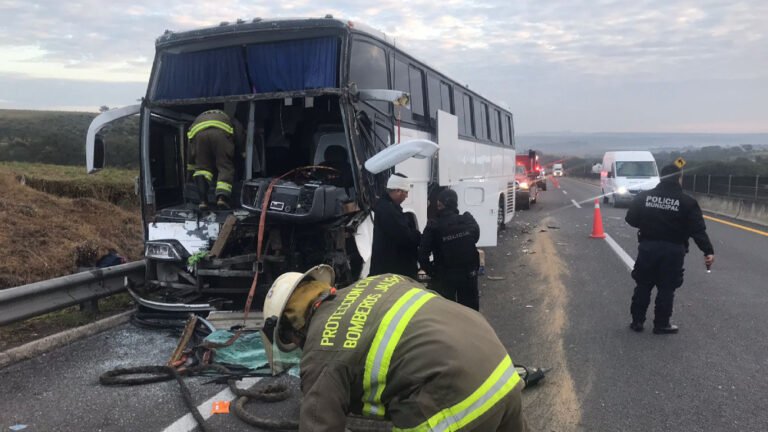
x: 222, y: 202
x: 667, y: 329
x: 202, y: 191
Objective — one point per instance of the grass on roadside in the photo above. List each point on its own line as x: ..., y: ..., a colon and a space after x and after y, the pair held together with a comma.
x: 113, y: 185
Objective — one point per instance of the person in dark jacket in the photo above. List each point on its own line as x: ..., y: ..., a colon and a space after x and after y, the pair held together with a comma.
x: 395, y: 234
x: 450, y: 239
x: 666, y: 218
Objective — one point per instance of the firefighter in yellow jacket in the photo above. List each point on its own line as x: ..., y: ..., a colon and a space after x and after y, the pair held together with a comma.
x: 213, y: 147
x: 387, y: 348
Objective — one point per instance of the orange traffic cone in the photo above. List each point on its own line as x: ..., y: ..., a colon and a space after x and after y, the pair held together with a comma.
x: 597, y: 223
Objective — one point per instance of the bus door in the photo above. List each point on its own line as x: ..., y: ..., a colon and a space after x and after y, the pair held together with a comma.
x: 166, y: 159
x: 480, y: 198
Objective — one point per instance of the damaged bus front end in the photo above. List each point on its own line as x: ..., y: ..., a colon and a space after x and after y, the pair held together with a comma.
x: 299, y: 161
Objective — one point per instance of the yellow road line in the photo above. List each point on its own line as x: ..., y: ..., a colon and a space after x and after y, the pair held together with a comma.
x: 763, y: 233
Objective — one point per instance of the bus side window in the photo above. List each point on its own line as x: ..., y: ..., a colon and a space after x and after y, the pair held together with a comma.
x: 416, y: 79
x: 402, y: 83
x: 511, y: 128
x: 481, y: 120
x: 504, y: 125
x: 460, y: 112
x: 368, y: 69
x: 469, y: 121
x: 433, y: 97
x: 446, y: 99
x: 495, y: 126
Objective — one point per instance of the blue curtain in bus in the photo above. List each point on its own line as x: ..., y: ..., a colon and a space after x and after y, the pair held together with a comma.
x: 293, y: 65
x: 218, y: 72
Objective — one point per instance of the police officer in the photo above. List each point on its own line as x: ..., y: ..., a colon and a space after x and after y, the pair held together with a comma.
x: 395, y: 234
x: 212, y: 140
x: 387, y: 348
x: 666, y: 217
x: 451, y: 238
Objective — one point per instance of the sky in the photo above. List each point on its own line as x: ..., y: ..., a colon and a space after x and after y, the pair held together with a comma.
x: 558, y: 65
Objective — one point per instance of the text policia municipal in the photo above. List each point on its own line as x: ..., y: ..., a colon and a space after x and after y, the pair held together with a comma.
x: 663, y: 203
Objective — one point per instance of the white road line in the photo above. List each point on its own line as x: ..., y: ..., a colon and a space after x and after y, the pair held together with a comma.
x: 188, y: 423
x: 576, y: 204
x: 620, y: 252
x: 565, y: 192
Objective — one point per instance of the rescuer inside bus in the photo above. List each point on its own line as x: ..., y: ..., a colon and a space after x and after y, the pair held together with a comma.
x: 451, y: 238
x: 395, y: 234
x: 387, y: 348
x: 212, y: 139
x: 666, y: 217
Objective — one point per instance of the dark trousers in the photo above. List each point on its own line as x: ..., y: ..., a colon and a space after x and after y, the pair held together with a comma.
x: 459, y: 286
x: 658, y: 264
x: 214, y: 152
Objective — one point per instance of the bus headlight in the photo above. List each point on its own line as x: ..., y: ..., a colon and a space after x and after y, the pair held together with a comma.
x: 162, y: 250
x: 523, y: 185
x: 622, y: 190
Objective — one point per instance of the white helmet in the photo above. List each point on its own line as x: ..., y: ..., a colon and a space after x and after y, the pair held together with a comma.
x: 274, y: 305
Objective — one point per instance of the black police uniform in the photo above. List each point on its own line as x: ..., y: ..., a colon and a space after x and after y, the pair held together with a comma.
x: 451, y: 239
x: 666, y: 218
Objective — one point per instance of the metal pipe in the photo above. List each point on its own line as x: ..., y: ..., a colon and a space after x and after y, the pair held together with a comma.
x: 38, y: 298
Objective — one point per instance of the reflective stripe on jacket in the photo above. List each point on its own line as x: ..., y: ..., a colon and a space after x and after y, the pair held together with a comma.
x: 388, y: 348
x: 213, y: 118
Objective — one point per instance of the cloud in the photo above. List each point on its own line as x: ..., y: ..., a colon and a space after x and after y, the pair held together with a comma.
x: 521, y: 53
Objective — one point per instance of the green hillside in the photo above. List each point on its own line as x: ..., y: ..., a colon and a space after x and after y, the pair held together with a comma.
x: 58, y: 137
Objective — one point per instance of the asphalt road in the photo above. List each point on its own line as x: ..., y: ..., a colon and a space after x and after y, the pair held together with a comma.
x: 556, y: 298
x: 574, y: 312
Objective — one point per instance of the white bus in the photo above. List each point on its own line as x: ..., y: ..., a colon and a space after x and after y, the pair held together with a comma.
x: 300, y: 87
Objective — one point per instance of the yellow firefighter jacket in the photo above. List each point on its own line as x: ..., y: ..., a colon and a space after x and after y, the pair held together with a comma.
x: 386, y: 347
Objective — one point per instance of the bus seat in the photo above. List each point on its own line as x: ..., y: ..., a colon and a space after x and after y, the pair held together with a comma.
x: 323, y: 140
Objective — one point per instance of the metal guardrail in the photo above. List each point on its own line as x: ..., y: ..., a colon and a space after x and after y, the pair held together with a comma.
x: 38, y: 298
x: 751, y: 188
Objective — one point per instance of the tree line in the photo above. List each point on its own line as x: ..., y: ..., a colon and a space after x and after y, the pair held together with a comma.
x: 58, y: 137
x: 743, y: 160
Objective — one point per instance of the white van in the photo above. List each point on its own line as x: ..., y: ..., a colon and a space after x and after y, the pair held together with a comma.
x: 627, y: 173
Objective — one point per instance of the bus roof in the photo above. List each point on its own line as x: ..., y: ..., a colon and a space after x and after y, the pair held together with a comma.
x: 242, y: 27
x: 258, y: 24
